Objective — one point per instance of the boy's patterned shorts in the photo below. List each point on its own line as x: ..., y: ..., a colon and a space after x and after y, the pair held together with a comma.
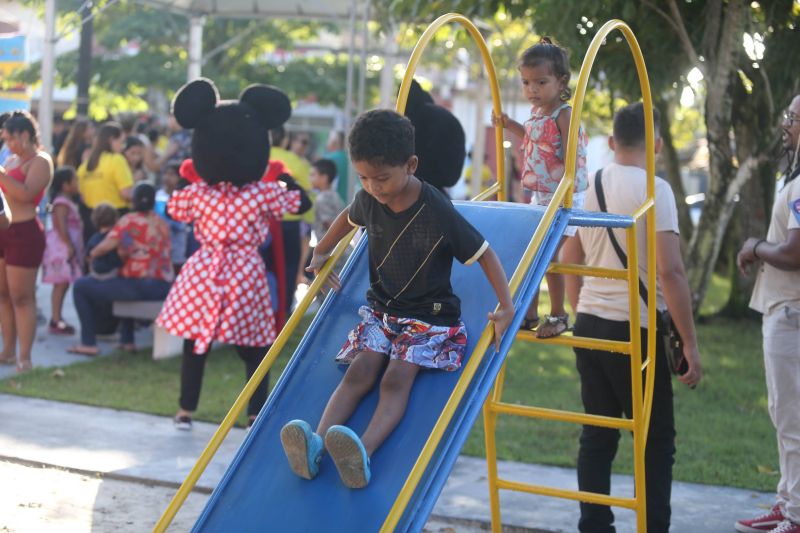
x: 406, y: 339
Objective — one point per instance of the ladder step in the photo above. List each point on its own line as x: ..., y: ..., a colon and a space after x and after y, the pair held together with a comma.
x: 579, y: 342
x: 561, y: 415
x: 581, y: 496
x: 583, y: 270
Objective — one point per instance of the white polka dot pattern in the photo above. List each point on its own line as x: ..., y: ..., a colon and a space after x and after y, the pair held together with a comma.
x: 222, y: 292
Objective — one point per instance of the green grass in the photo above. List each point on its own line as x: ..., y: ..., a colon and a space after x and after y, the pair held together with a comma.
x: 725, y: 436
x: 135, y: 382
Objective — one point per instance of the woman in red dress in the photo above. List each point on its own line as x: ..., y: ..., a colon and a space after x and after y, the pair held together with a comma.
x: 24, y: 180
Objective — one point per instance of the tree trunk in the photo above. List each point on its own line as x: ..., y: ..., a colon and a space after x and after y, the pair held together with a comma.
x: 672, y: 171
x: 751, y: 222
x: 84, y: 61
x: 724, y: 183
x: 751, y: 120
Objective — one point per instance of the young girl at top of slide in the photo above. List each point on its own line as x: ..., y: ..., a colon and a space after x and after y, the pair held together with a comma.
x: 544, y: 71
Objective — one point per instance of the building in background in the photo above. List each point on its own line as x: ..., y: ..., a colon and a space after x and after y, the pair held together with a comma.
x: 12, y: 59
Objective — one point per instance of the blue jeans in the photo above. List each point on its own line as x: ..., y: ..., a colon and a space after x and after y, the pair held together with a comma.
x: 92, y: 295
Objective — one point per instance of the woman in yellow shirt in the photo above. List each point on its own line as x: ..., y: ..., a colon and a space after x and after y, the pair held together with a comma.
x: 105, y: 176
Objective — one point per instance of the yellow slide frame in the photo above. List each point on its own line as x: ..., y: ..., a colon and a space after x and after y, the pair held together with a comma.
x: 493, y: 405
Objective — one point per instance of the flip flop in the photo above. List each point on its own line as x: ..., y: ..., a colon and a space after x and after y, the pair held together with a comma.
x: 8, y: 361
x: 83, y: 351
x: 24, y: 366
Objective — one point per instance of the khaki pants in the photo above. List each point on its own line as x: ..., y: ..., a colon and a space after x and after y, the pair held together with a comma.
x: 781, y: 330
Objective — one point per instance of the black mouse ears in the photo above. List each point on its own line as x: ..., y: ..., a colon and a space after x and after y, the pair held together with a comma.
x: 418, y: 97
x: 198, y: 99
x: 271, y: 105
x: 194, y: 101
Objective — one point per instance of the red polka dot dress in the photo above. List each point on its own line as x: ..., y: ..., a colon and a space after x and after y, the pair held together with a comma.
x: 222, y: 292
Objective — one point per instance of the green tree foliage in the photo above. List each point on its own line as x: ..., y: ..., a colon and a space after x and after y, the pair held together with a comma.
x: 743, y: 94
x: 139, y: 49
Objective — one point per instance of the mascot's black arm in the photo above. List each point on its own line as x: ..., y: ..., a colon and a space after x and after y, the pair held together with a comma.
x: 291, y: 185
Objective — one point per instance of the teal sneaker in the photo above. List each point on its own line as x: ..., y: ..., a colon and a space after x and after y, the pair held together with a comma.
x: 349, y: 455
x: 303, y: 448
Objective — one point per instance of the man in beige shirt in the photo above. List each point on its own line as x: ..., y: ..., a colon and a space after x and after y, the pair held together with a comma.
x: 603, y: 311
x: 777, y: 296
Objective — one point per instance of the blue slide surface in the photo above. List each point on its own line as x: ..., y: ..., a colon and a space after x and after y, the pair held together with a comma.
x: 260, y: 493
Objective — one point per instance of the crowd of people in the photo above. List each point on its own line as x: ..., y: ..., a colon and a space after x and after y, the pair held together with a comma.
x: 91, y: 214
x: 123, y: 222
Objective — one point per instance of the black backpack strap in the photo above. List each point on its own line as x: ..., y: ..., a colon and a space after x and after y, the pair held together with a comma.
x: 601, y: 199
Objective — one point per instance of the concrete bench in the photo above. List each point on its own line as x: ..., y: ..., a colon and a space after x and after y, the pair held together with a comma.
x: 164, y: 344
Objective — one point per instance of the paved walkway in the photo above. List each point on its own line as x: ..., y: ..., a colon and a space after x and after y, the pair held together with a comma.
x: 149, y: 456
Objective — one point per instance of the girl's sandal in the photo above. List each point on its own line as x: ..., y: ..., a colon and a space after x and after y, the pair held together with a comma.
x: 8, y: 360
x: 529, y: 324
x: 24, y: 366
x: 553, y: 326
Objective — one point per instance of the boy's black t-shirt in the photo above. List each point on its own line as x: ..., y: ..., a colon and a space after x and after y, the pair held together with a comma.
x: 411, y: 255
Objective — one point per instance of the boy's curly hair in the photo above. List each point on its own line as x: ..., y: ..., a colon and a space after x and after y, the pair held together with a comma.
x: 554, y: 56
x: 381, y: 137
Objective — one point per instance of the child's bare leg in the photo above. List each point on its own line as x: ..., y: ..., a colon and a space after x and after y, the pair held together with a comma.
x: 557, y: 322
x: 8, y: 325
x: 555, y: 286
x: 395, y: 387
x: 57, y: 300
x: 359, y: 379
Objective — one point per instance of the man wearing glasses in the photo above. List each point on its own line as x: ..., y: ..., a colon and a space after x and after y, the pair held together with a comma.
x: 777, y: 296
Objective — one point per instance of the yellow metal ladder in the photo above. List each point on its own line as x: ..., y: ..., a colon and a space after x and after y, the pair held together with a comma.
x: 641, y: 395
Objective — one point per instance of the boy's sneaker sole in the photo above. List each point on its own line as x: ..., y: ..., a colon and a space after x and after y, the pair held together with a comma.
x: 349, y: 457
x: 295, y: 445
